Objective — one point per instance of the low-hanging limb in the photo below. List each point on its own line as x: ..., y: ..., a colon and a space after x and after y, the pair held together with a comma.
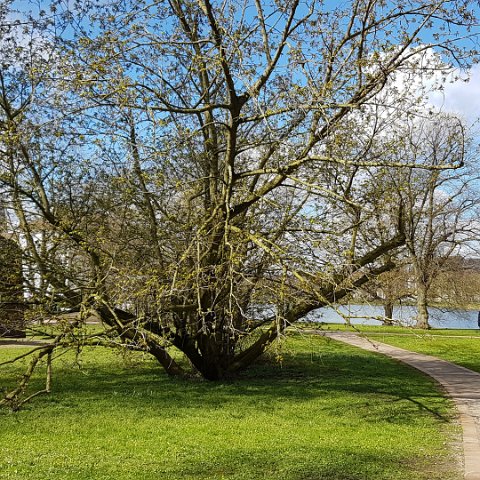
x: 13, y: 399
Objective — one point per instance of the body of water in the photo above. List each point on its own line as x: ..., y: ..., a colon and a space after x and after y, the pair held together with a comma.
x: 405, y: 315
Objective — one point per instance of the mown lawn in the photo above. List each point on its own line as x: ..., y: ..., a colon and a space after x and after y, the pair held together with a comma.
x: 462, y: 350
x: 461, y: 346
x: 385, y: 329
x: 326, y: 412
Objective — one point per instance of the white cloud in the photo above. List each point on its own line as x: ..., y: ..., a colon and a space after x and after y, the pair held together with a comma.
x: 459, y: 96
x: 441, y: 86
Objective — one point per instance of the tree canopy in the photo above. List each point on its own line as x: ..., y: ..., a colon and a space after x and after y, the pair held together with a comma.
x: 198, y: 174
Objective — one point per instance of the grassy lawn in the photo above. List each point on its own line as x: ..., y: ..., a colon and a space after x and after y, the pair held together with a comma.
x: 326, y: 412
x: 384, y: 329
x: 441, y: 343
x: 463, y: 351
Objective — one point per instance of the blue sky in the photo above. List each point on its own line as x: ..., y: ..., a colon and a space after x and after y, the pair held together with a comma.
x: 460, y: 97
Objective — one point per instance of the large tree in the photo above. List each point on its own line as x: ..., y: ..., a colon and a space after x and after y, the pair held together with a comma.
x: 178, y: 168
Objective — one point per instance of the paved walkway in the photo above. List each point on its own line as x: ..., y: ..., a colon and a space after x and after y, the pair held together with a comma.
x: 462, y: 384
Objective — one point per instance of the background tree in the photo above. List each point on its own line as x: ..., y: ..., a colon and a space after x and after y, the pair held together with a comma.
x: 457, y: 285
x: 389, y: 289
x: 439, y: 206
x: 186, y: 183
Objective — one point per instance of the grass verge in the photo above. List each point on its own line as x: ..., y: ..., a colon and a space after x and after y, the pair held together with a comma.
x: 326, y: 412
x: 385, y: 329
x: 462, y: 350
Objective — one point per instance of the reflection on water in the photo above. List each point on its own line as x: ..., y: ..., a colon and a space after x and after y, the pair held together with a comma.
x: 365, y: 314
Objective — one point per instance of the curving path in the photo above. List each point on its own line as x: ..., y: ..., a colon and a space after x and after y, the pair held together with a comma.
x: 462, y: 384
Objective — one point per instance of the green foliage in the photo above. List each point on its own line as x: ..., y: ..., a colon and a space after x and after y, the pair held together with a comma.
x: 186, y: 171
x: 328, y: 411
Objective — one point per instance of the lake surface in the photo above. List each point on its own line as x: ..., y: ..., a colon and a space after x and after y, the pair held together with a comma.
x: 365, y: 315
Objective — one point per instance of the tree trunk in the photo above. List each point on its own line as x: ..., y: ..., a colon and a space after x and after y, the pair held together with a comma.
x: 168, y: 363
x: 388, y: 312
x: 248, y: 356
x: 422, y: 310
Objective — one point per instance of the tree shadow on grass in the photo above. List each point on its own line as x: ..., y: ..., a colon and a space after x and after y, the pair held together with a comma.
x: 320, y: 464
x: 243, y: 463
x: 310, y: 418
x: 338, y: 372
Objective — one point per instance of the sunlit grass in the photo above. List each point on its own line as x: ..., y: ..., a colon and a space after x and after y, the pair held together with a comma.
x: 463, y: 351
x: 325, y: 412
x: 385, y: 329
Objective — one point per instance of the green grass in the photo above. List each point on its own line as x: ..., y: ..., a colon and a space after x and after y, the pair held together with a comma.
x: 326, y: 412
x: 461, y: 346
x: 385, y: 329
x: 462, y: 351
